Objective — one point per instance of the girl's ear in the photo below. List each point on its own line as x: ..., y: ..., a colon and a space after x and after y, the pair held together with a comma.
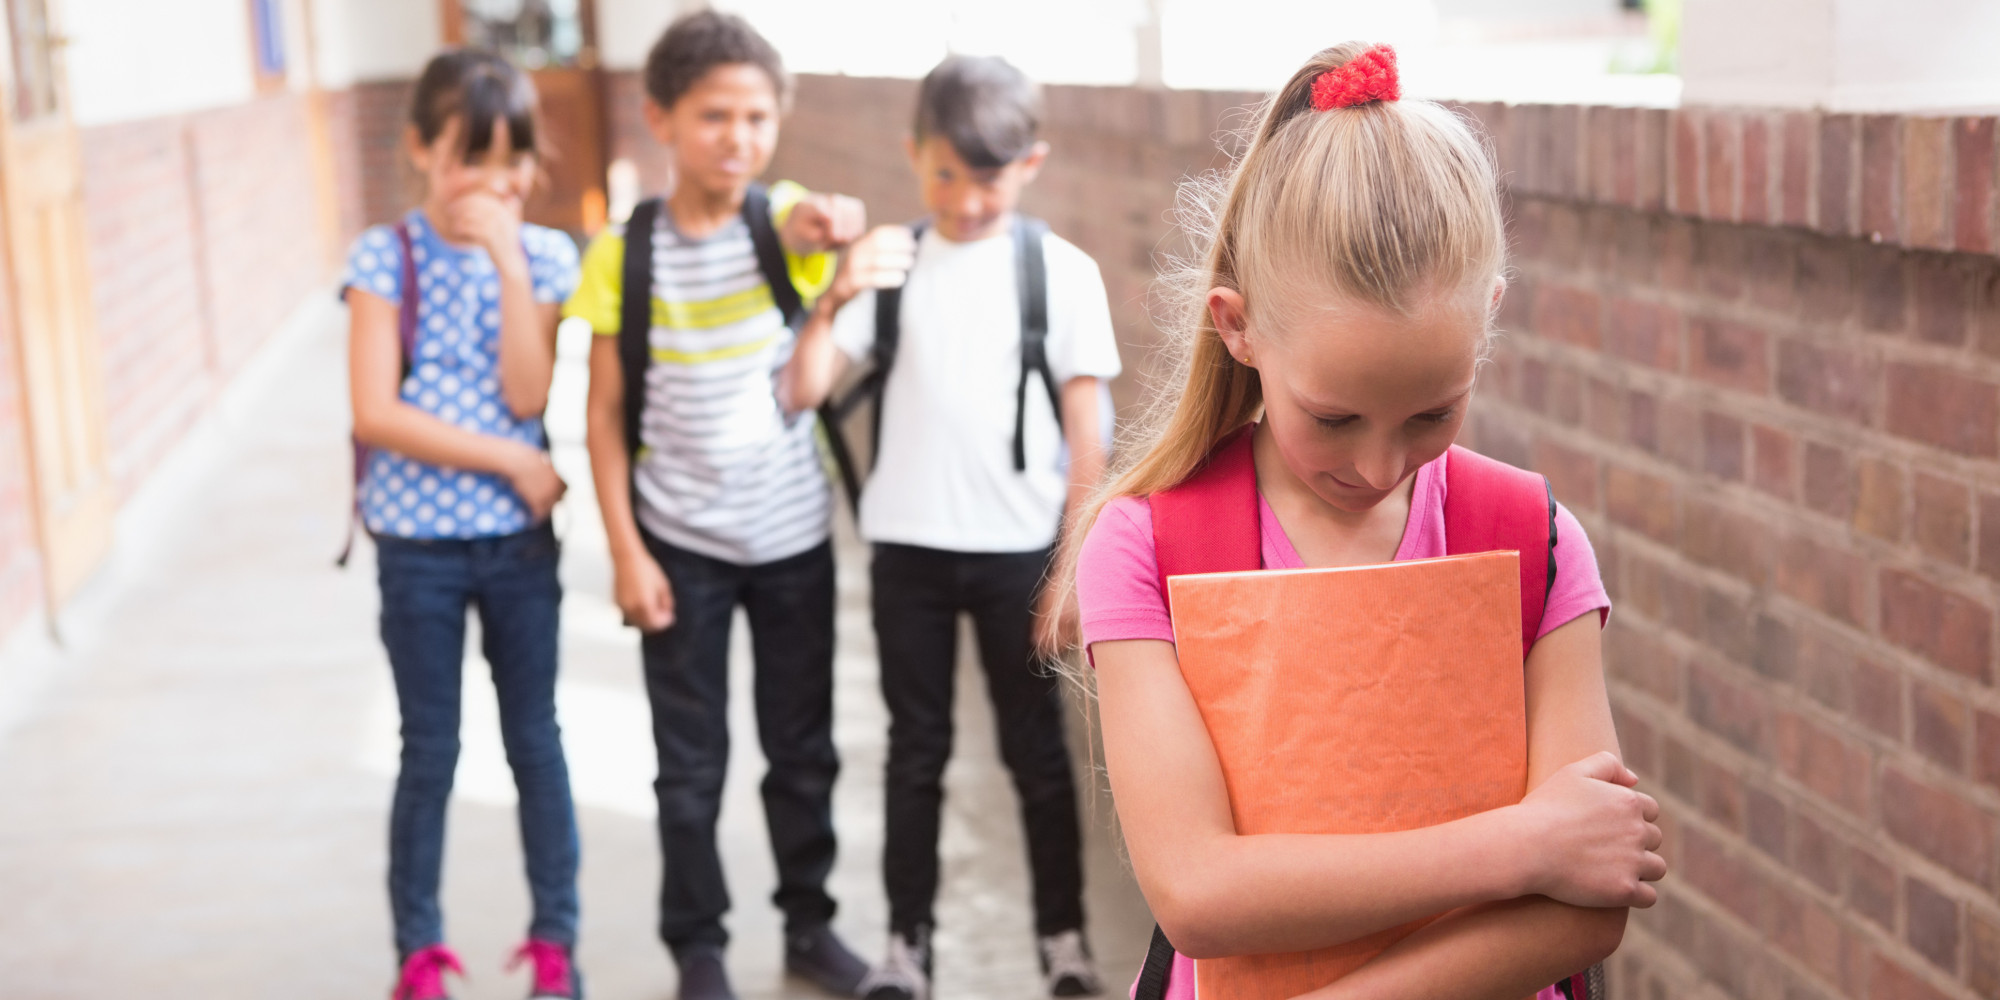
x: 1499, y: 289
x: 1232, y: 321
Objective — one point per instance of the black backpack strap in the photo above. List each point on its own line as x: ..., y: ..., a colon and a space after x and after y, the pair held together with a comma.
x: 1152, y: 983
x: 1032, y: 275
x: 771, y: 255
x: 635, y: 314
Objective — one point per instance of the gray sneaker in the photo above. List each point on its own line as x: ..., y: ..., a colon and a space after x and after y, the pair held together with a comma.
x: 820, y: 956
x: 905, y: 973
x: 702, y: 974
x: 1067, y: 965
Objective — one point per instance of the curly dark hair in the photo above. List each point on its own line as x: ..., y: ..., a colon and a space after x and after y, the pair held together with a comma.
x: 702, y: 40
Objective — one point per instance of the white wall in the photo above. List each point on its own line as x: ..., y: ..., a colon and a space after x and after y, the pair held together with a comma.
x: 362, y: 40
x: 626, y: 29
x: 1844, y: 55
x: 143, y: 58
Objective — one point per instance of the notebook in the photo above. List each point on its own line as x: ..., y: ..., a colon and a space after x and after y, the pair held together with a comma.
x: 1362, y: 699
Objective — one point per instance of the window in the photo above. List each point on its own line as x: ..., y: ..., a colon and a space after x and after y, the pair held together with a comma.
x: 267, y: 43
x: 535, y: 34
x: 34, y: 83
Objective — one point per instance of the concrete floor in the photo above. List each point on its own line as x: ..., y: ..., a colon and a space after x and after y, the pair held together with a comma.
x: 194, y: 786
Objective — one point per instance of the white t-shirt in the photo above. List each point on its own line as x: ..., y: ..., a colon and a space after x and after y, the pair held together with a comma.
x: 945, y: 476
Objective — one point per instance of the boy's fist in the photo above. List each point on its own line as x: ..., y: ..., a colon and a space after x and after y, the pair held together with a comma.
x: 881, y: 259
x: 821, y: 222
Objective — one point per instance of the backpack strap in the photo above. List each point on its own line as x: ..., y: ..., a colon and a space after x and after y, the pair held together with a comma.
x: 635, y: 315
x: 1492, y: 506
x: 1152, y: 984
x: 406, y: 338
x: 1208, y: 524
x: 1031, y: 274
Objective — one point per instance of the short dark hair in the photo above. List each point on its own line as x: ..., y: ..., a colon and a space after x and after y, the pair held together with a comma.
x: 988, y: 110
x: 482, y: 88
x: 702, y: 40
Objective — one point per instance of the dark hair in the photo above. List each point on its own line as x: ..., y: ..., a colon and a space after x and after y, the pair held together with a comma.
x: 988, y: 110
x: 482, y: 88
x: 700, y: 41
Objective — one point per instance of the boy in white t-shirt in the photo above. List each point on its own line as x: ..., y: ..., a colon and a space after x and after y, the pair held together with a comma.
x: 981, y: 452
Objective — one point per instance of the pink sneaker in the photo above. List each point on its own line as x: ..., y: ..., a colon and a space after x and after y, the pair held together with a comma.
x: 555, y: 976
x: 423, y: 974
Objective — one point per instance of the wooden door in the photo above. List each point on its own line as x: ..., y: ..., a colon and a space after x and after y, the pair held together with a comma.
x: 556, y: 42
x: 41, y: 192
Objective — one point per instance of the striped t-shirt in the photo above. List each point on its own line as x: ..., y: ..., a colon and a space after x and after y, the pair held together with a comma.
x: 721, y: 472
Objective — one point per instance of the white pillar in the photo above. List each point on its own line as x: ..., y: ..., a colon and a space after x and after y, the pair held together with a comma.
x: 1842, y: 55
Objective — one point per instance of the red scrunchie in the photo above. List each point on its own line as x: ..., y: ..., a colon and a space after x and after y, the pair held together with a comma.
x: 1370, y: 76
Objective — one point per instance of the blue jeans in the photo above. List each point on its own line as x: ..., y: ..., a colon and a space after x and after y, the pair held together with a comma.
x: 789, y: 604
x: 426, y: 588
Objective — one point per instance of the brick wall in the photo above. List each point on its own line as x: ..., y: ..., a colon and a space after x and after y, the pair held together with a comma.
x: 20, y: 563
x: 1758, y: 353
x: 204, y: 234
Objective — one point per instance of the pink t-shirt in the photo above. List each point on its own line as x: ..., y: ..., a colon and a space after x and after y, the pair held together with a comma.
x: 1118, y: 586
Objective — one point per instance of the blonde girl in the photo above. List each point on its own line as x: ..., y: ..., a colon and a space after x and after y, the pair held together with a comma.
x: 1344, y: 305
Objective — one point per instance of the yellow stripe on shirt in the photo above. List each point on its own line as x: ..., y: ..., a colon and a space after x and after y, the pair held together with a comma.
x: 671, y: 356
x: 708, y: 314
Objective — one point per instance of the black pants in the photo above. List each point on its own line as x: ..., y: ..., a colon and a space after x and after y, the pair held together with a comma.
x: 918, y: 595
x: 790, y: 606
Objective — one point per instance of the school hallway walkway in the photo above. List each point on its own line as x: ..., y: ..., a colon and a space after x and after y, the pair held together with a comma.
x: 194, y: 790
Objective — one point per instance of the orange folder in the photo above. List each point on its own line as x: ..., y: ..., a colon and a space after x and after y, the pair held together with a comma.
x: 1364, y: 699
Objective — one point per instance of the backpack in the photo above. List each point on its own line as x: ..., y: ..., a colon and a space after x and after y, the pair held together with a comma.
x: 1031, y: 278
x: 1208, y: 524
x: 406, y: 335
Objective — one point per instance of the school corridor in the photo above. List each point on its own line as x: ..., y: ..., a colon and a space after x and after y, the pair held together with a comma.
x: 193, y: 789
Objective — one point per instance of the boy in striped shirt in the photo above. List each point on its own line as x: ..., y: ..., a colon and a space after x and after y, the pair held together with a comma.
x: 721, y: 500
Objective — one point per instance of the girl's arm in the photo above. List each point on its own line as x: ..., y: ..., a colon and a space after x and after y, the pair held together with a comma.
x: 1083, y: 432
x: 383, y: 420
x: 1578, y: 836
x: 527, y: 327
x: 1509, y: 950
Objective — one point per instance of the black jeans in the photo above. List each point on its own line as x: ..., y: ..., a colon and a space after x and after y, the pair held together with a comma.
x: 790, y: 606
x: 426, y: 587
x: 918, y: 595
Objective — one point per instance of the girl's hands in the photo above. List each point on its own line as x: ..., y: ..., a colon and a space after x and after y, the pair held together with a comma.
x: 643, y: 593
x: 491, y: 223
x: 881, y: 259
x: 535, y: 479
x: 1593, y: 838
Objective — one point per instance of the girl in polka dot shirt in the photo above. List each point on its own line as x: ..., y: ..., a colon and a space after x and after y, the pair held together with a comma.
x: 456, y: 489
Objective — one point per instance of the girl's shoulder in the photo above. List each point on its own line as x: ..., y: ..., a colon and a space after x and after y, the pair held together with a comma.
x: 552, y: 244
x: 1118, y: 576
x: 375, y: 263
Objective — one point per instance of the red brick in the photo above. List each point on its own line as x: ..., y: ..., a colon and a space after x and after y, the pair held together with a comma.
x: 1933, y: 924
x: 1817, y: 853
x: 1982, y: 953
x: 1871, y: 889
x: 1677, y: 775
x: 1776, y: 653
x: 1643, y: 661
x: 1604, y: 410
x: 1680, y: 432
x: 1878, y: 499
x: 1646, y: 332
x: 1926, y: 157
x: 1795, y: 192
x: 1735, y: 712
x: 1824, y: 279
x: 1823, y: 578
x: 1726, y: 540
x: 1721, y: 156
x: 1972, y: 228
x: 1839, y: 173
x: 1938, y: 725
x: 1806, y: 931
x: 1942, y: 292
x: 1721, y: 795
x: 1572, y: 474
x: 1883, y: 288
x: 1686, y: 183
x: 1642, y: 420
x: 1878, y: 698
x: 1729, y: 354
x: 1943, y: 526
x: 1730, y: 881
x: 1829, y: 485
x: 1770, y: 269
x: 1764, y: 822
x: 1986, y: 747
x: 1941, y: 407
x: 1881, y: 195
x: 1939, y: 825
x: 1828, y: 380
x: 1950, y: 629
x: 1650, y: 157
x: 1989, y: 534
x: 1636, y: 742
x: 1564, y: 401
x: 1676, y: 257
x: 1889, y: 981
x: 1722, y: 445
x: 1834, y: 767
x: 1772, y: 454
x: 1570, y: 315
x: 1755, y: 201
x: 1721, y: 262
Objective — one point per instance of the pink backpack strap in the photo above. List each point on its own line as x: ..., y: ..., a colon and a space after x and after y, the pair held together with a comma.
x: 1492, y: 506
x: 1208, y: 524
